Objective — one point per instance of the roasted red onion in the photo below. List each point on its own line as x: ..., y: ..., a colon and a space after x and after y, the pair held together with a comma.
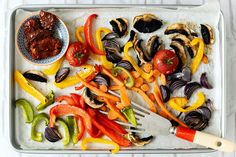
x: 176, y: 84
x: 110, y: 36
x: 52, y: 134
x: 125, y: 64
x: 204, y: 81
x: 61, y: 74
x: 199, y: 119
x: 190, y: 88
x: 102, y: 79
x: 113, y: 57
x: 165, y: 92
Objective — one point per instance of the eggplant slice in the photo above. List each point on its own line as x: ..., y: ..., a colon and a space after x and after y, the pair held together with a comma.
x: 186, y: 42
x: 207, y: 34
x: 180, y: 51
x: 153, y: 45
x: 120, y: 26
x: 147, y: 23
x: 178, y: 28
x: 35, y: 75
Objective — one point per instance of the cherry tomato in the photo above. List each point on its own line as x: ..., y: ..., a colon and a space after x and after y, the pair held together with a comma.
x: 166, y: 61
x: 77, y: 54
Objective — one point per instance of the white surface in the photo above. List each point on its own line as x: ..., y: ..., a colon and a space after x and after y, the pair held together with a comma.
x: 230, y: 17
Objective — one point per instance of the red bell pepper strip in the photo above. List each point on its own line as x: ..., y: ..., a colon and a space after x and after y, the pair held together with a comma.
x: 108, y: 131
x: 110, y: 124
x: 88, y: 35
x: 66, y: 98
x: 76, y: 99
x: 81, y: 128
x: 64, y: 109
x: 95, y: 133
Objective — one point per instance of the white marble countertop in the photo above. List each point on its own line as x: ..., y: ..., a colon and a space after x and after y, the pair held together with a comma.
x: 229, y: 11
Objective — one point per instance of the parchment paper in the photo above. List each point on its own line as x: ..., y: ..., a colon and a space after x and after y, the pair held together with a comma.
x: 209, y: 13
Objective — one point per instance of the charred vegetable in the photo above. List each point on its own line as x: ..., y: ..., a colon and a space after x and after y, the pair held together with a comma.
x: 177, y: 28
x: 113, y: 57
x: 90, y: 99
x: 153, y: 45
x: 61, y: 74
x: 102, y: 79
x: 137, y: 141
x: 52, y: 134
x: 165, y: 92
x: 190, y: 88
x: 176, y: 84
x: 112, y: 46
x: 186, y: 42
x: 110, y: 36
x: 199, y: 119
x: 207, y: 34
x: 204, y: 81
x: 147, y: 23
x: 180, y: 51
x: 120, y: 26
x: 140, y: 52
x: 35, y: 76
x: 133, y: 36
x: 125, y: 64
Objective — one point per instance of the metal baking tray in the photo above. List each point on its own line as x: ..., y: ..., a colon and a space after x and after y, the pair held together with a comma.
x: 11, y: 85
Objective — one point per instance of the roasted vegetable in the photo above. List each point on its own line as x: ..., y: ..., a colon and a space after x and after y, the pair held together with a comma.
x: 165, y: 92
x: 52, y: 134
x: 147, y: 23
x: 51, y: 99
x: 90, y: 99
x: 129, y: 114
x: 153, y: 45
x: 180, y: 51
x: 176, y: 84
x: 24, y: 84
x: 128, y: 82
x: 102, y: 79
x: 198, y: 58
x: 207, y: 34
x: 35, y: 76
x: 61, y: 74
x: 27, y: 109
x: 137, y: 141
x: 125, y: 64
x: 120, y: 26
x: 177, y: 28
x: 204, y: 81
x: 54, y: 67
x: 38, y: 136
x: 190, y: 88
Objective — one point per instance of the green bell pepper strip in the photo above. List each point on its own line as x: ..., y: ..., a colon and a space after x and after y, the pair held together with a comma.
x: 129, y: 114
x: 66, y: 137
x: 51, y: 99
x: 130, y: 81
x: 27, y: 109
x: 73, y: 128
x: 38, y: 136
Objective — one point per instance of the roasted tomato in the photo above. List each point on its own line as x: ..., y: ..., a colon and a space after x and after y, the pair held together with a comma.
x: 166, y: 61
x: 77, y: 54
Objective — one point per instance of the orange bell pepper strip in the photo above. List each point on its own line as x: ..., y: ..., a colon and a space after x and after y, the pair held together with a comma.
x: 146, y: 98
x: 163, y: 108
x: 124, y: 97
x: 65, y: 109
x: 96, y: 90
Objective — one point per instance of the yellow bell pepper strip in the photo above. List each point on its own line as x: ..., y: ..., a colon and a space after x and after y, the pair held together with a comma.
x: 144, y: 75
x: 66, y: 138
x: 51, y: 99
x: 198, y: 58
x: 28, y: 87
x: 72, y: 80
x: 27, y: 109
x: 150, y: 103
x: 179, y: 103
x: 163, y: 108
x: 103, y: 58
x: 79, y: 31
x: 97, y: 91
x: 54, y: 67
x: 38, y: 136
x: 100, y: 140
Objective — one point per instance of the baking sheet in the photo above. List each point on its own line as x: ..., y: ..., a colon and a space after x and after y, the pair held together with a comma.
x: 76, y: 17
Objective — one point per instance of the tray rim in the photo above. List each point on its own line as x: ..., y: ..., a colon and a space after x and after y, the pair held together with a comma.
x: 11, y: 86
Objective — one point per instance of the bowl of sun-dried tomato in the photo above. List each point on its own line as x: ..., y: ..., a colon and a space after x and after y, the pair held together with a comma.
x: 42, y: 38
